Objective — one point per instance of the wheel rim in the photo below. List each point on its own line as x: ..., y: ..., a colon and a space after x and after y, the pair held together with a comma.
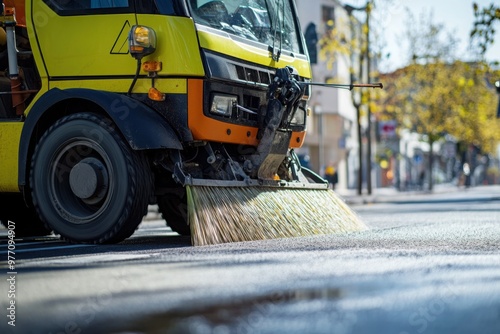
x: 81, y: 180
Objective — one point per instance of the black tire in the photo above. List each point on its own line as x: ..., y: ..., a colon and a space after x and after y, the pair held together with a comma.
x: 173, y: 207
x: 87, y: 184
x: 25, y: 220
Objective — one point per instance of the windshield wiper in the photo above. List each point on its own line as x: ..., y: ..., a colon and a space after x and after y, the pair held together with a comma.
x: 275, y: 54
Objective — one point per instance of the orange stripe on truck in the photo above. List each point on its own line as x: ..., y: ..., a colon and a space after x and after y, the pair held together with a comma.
x: 209, y: 129
x: 206, y: 128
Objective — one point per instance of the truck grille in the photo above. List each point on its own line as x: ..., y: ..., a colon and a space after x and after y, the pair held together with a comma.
x: 253, y: 75
x: 252, y: 103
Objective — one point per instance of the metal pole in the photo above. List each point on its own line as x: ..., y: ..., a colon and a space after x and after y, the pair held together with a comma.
x: 497, y: 85
x: 321, y: 143
x: 357, y: 105
x: 368, y: 130
x: 360, y: 152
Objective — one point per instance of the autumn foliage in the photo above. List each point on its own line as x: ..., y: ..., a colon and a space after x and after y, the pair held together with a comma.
x: 437, y: 99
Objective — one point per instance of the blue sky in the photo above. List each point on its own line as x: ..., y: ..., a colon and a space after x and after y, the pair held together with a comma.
x: 456, y: 15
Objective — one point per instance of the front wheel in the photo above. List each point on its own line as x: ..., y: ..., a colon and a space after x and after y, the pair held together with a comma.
x: 87, y: 184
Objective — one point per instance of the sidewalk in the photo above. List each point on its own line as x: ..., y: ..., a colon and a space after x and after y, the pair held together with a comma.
x: 445, y: 191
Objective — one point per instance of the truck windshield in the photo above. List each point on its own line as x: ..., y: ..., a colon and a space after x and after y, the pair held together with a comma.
x: 271, y: 22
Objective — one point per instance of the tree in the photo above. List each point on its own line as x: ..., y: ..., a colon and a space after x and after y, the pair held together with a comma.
x: 429, y: 41
x: 437, y: 95
x: 437, y: 99
x: 483, y: 31
x: 475, y: 119
x: 422, y: 97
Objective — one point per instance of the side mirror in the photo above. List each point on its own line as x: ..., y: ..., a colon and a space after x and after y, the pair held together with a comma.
x: 141, y: 41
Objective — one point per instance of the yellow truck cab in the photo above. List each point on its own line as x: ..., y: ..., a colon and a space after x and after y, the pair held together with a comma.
x: 111, y: 105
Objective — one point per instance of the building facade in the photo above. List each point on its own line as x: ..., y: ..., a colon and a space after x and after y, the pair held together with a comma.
x: 332, y: 125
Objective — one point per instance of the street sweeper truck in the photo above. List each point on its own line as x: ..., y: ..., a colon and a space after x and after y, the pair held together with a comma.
x: 108, y: 106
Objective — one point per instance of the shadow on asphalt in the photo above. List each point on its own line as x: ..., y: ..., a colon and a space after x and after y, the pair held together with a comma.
x: 52, y: 246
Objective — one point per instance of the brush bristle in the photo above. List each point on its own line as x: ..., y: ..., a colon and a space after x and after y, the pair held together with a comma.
x: 231, y: 214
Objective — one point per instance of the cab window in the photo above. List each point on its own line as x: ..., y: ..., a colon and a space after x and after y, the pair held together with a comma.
x: 76, y: 7
x: 108, y: 3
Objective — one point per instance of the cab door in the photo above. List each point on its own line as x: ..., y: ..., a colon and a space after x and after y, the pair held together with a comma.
x: 83, y: 43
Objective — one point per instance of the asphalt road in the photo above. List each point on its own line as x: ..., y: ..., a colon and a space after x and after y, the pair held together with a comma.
x: 427, y: 264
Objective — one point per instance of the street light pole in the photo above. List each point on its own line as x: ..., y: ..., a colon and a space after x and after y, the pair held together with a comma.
x: 321, y: 149
x: 360, y: 150
x: 349, y: 10
x: 497, y: 85
x: 357, y: 105
x: 369, y: 114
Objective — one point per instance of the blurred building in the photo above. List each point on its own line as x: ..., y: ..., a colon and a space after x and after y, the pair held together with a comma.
x: 332, y: 126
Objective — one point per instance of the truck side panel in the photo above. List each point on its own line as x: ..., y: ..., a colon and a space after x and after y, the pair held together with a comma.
x: 165, y: 85
x: 97, y: 45
x: 83, y: 45
x: 177, y: 48
x: 10, y: 134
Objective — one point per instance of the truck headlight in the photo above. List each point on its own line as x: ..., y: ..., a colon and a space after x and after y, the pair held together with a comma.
x: 223, y: 105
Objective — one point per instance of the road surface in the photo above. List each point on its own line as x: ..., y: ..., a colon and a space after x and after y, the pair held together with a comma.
x: 427, y: 264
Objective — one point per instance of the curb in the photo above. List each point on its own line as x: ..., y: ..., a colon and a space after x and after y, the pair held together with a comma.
x: 444, y: 194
